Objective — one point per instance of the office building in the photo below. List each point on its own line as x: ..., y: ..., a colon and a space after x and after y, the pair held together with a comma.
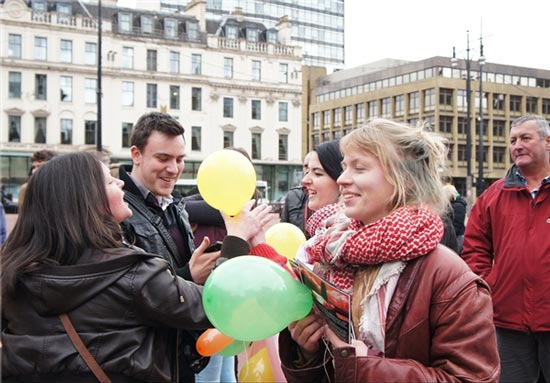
x: 235, y: 83
x: 431, y: 92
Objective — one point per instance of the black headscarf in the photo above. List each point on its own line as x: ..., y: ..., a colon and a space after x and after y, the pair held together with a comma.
x: 330, y: 157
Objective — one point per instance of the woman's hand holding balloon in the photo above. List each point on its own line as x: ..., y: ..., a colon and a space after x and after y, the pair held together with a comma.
x: 248, y: 223
x: 307, y: 334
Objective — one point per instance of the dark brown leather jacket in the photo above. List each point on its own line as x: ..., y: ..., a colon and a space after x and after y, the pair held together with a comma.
x: 439, y: 329
x: 127, y: 305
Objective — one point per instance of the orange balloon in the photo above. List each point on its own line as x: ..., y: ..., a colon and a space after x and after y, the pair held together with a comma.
x: 212, y: 341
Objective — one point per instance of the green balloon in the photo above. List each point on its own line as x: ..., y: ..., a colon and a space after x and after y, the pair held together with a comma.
x: 235, y: 348
x: 252, y: 298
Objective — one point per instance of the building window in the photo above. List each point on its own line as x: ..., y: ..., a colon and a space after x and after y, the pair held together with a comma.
x: 196, y: 138
x: 445, y: 124
x: 499, y: 128
x: 66, y: 125
x: 14, y: 123
x: 66, y: 84
x: 256, y: 146
x: 228, y: 107
x: 127, y: 58
x: 151, y: 59
x: 515, y: 103
x: 227, y: 139
x: 124, y: 22
x: 283, y: 73
x: 66, y: 52
x: 316, y: 120
x: 14, y: 86
x: 40, y: 130
x: 373, y: 109
x: 151, y: 95
x: 256, y: 70
x: 499, y: 154
x: 40, y: 48
x: 546, y: 105
x: 462, y: 125
x: 256, y: 110
x: 64, y: 9
x: 227, y: 67
x: 348, y: 115
x: 127, y: 93
x: 283, y: 147
x: 90, y: 91
x: 360, y: 112
x: 386, y: 107
x: 174, y: 62
x: 126, y: 134
x: 531, y: 105
x: 192, y: 31
x: 196, y: 99
x: 337, y: 117
x: 271, y: 36
x: 147, y: 24
x: 445, y: 96
x: 170, y: 28
x: 14, y: 46
x: 90, y: 132
x: 429, y: 99
x: 399, y: 104
x: 283, y: 111
x: 231, y: 32
x: 174, y: 97
x: 326, y: 119
x: 252, y: 34
x: 40, y: 86
x: 414, y: 103
x: 461, y: 153
x: 90, y: 54
x: 196, y: 65
x: 498, y: 101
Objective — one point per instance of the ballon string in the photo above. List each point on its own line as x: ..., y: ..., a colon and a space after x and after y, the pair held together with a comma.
x: 326, y: 359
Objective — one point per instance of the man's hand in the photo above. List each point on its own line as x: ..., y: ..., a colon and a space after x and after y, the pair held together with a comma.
x: 201, y: 263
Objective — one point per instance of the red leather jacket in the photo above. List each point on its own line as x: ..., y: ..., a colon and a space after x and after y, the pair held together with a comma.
x: 439, y: 329
x: 507, y: 242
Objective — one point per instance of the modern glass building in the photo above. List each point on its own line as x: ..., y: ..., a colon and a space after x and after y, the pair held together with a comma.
x: 317, y: 25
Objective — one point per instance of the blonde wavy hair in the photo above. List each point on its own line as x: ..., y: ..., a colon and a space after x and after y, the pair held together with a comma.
x: 412, y: 158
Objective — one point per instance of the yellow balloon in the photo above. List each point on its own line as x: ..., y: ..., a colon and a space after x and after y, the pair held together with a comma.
x: 286, y: 238
x: 257, y: 368
x: 226, y: 180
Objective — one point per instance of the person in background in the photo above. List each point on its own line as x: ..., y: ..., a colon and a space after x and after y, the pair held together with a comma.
x: 38, y: 159
x: 295, y: 210
x: 418, y: 312
x: 125, y: 304
x: 507, y: 243
x: 159, y: 223
x: 458, y: 210
x: 3, y: 225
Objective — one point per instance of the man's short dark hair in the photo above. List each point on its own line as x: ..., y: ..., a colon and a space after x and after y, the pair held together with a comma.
x: 149, y: 122
x: 43, y: 155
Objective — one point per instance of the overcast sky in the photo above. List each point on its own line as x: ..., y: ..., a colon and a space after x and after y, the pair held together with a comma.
x: 514, y: 33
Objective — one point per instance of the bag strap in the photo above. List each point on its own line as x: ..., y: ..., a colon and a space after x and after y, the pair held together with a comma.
x: 83, y: 350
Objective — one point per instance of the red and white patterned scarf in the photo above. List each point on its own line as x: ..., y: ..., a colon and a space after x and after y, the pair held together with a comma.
x: 344, y: 244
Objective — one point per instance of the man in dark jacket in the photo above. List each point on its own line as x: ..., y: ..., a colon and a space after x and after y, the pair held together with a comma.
x: 159, y: 223
x: 295, y: 210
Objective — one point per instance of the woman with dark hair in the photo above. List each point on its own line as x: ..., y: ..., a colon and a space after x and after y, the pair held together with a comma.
x: 66, y: 255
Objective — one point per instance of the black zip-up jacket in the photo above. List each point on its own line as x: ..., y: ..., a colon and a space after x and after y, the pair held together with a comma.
x: 124, y: 303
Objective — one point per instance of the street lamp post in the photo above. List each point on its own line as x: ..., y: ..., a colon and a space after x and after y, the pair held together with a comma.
x: 454, y: 62
x: 99, y: 146
x: 480, y: 180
